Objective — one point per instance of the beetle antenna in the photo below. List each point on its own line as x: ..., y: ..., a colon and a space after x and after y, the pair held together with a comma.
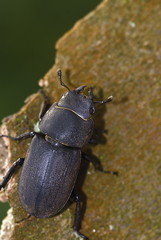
x: 60, y: 79
x: 109, y: 99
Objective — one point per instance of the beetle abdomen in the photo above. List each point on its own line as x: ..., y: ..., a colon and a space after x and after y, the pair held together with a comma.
x: 48, y: 177
x: 66, y: 127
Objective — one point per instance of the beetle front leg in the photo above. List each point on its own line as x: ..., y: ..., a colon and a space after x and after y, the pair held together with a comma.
x: 20, y: 137
x: 97, y: 164
x: 97, y: 136
x: 11, y: 171
x: 45, y: 105
x: 76, y: 226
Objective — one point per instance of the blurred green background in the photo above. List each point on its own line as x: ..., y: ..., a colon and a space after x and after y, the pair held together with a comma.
x: 28, y: 32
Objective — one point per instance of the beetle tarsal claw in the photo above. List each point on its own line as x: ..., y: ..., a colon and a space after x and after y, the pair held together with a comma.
x: 110, y: 99
x: 79, y: 235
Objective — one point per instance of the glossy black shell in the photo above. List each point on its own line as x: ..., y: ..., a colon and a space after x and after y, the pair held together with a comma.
x: 66, y: 127
x: 52, y: 163
x: 48, y: 177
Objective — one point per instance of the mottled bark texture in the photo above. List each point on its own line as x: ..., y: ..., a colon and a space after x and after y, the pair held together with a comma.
x: 116, y: 49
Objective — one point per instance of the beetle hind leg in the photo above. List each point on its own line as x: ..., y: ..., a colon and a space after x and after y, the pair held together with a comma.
x: 97, y: 164
x: 18, y: 163
x: 76, y: 226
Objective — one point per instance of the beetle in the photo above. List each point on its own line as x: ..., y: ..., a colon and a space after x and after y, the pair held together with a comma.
x: 49, y: 171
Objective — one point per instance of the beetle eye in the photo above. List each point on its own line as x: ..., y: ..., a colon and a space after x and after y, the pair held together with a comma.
x: 91, y: 110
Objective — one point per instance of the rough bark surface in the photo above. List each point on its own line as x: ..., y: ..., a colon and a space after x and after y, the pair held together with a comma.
x: 116, y: 49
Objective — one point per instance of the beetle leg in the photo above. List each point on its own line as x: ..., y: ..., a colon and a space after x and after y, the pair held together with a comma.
x: 20, y: 137
x: 97, y: 133
x: 93, y: 141
x: 45, y: 105
x: 97, y: 164
x: 11, y: 171
x: 75, y: 198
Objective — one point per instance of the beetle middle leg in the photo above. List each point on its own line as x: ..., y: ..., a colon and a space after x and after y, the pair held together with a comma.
x: 97, y: 164
x: 18, y: 163
x: 76, y: 226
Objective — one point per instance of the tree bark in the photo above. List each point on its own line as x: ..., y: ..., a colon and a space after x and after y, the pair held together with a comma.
x: 116, y: 50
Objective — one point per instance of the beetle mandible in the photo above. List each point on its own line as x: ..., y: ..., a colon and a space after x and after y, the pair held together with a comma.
x: 51, y: 166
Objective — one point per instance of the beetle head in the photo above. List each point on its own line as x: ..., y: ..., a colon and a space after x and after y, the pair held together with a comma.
x: 78, y: 103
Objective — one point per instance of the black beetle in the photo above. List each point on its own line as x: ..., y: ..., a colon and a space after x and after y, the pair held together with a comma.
x: 51, y: 166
